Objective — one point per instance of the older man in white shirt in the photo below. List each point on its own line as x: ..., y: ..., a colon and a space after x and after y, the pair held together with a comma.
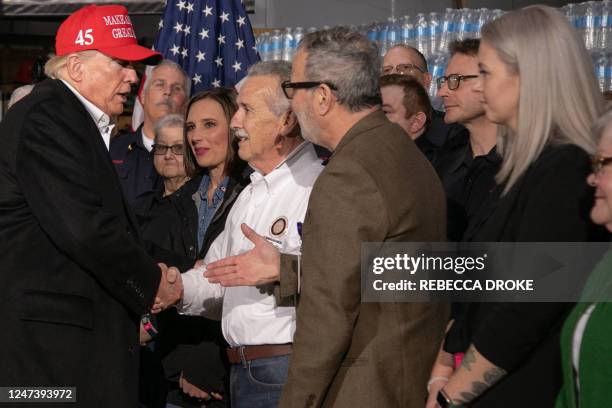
x: 259, y: 331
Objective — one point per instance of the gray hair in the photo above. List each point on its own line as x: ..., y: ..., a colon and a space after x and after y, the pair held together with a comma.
x: 349, y: 61
x: 168, y: 121
x: 559, y: 99
x: 170, y: 64
x: 275, y: 98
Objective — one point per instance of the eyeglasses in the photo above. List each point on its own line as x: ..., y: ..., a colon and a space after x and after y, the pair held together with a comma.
x: 453, y: 80
x: 160, y: 149
x: 402, y: 69
x: 597, y: 163
x: 290, y: 87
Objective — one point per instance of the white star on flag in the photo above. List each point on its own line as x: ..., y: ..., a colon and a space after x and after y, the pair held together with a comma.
x: 181, y: 5
x: 184, y: 53
x: 224, y: 17
x: 197, y: 78
x: 175, y: 49
x: 216, y: 83
x: 201, y: 56
x: 241, y: 21
x: 189, y: 7
x: 203, y: 34
x: 221, y: 39
x: 187, y: 30
x: 207, y: 11
x: 161, y: 24
x: 219, y: 61
x: 178, y: 27
x: 239, y: 43
x: 236, y: 66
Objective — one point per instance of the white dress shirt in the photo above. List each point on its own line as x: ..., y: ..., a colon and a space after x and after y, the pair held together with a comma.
x: 101, y: 119
x: 272, y: 205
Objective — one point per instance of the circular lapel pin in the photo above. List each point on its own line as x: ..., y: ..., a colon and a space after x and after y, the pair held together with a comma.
x: 279, y: 226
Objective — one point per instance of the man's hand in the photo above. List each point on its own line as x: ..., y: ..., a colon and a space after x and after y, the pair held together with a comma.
x: 195, y: 392
x: 258, y: 266
x: 170, y: 288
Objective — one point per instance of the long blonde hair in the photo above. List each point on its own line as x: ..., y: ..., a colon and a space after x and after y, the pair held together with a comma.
x: 559, y: 98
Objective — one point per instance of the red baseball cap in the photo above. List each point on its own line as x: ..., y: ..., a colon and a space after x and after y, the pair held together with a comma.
x: 107, y: 29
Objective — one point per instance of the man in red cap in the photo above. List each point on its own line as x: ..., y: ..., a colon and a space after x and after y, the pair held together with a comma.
x: 74, y: 276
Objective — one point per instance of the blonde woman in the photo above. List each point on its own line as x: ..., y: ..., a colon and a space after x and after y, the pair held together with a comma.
x: 537, y: 82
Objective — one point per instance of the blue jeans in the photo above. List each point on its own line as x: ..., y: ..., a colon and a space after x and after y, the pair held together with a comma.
x: 258, y: 383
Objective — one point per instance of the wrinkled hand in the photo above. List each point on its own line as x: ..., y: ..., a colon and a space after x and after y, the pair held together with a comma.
x: 258, y: 266
x: 170, y: 289
x: 195, y: 392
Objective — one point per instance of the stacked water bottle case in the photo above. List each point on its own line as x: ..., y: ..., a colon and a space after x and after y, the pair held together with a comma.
x: 432, y: 33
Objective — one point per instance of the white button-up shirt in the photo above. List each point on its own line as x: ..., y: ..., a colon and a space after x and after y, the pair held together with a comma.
x: 272, y: 205
x: 101, y: 119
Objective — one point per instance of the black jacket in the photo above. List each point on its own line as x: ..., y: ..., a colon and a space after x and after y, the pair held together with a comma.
x: 550, y: 203
x: 74, y: 276
x: 134, y: 164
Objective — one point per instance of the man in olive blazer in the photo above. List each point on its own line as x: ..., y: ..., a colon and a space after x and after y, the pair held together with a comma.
x: 377, y: 187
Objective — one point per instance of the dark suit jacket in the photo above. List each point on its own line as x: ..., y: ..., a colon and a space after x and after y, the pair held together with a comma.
x: 550, y: 202
x: 74, y: 277
x: 134, y: 164
x: 376, y: 187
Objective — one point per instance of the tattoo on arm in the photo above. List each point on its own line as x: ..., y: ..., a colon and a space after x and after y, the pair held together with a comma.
x: 469, y: 358
x: 489, y: 377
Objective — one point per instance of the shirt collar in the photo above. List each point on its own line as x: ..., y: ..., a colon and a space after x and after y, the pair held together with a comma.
x: 276, y: 176
x: 101, y: 119
x: 219, y: 191
x: 146, y: 142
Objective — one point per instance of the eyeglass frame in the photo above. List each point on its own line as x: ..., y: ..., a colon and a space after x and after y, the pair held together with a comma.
x: 410, y: 67
x: 598, y: 163
x: 304, y: 85
x: 446, y: 79
x: 172, y: 148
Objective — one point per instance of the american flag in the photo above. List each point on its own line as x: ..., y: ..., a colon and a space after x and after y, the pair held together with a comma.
x: 212, y: 40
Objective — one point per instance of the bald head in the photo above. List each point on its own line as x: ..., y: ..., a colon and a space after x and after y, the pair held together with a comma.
x: 403, y: 55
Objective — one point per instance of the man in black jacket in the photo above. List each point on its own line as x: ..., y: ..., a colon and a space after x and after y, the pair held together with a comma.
x: 165, y: 92
x: 74, y: 276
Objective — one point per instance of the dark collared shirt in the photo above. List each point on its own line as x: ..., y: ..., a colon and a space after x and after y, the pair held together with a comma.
x: 469, y: 184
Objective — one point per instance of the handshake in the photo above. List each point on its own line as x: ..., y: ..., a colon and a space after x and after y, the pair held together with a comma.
x: 170, y: 289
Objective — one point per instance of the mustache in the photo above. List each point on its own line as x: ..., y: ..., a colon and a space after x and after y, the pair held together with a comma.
x: 238, y: 133
x: 167, y: 102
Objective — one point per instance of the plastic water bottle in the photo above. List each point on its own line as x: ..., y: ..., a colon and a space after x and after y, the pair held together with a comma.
x: 287, y: 40
x: 605, y: 25
x: 484, y: 16
x: 462, y: 24
x: 382, y: 41
x: 277, y: 46
x: 408, y: 33
x: 570, y: 13
x: 264, y: 53
x: 422, y: 34
x: 589, y: 35
x: 448, y: 30
x: 298, y: 34
x: 435, y: 29
x: 436, y: 69
x: 394, y: 35
x: 373, y: 32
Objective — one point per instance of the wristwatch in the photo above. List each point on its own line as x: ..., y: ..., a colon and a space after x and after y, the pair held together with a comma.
x: 444, y: 401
